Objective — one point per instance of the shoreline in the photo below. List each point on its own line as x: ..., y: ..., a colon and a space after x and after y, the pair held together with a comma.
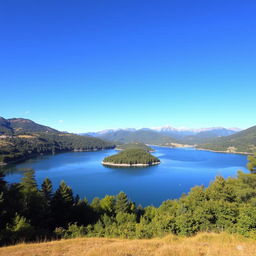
x: 25, y: 158
x: 120, y: 149
x: 211, y: 150
x: 129, y: 165
x: 226, y: 152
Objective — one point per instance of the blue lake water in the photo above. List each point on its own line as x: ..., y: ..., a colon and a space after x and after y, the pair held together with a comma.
x: 180, y: 169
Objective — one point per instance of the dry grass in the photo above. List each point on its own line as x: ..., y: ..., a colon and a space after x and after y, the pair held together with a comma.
x: 27, y: 136
x: 204, y: 244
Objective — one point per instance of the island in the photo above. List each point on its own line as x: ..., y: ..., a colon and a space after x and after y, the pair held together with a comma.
x: 131, y: 158
x: 134, y: 145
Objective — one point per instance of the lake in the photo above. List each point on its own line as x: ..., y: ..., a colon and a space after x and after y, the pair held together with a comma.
x: 180, y: 169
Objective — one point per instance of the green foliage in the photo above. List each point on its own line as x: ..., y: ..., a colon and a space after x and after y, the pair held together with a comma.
x: 122, y: 203
x: 72, y: 231
x: 46, y: 189
x: 19, y: 148
x: 62, y: 204
x: 20, y: 229
x: 132, y: 156
x: 28, y: 182
x: 107, y: 204
x: 246, y: 223
x: 252, y: 163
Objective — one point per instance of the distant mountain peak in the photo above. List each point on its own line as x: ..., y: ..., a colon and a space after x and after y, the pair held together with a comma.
x: 194, y: 130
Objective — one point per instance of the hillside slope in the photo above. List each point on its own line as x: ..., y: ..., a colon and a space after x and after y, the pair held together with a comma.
x: 21, y: 126
x: 244, y: 141
x: 203, y: 244
x: 21, y: 139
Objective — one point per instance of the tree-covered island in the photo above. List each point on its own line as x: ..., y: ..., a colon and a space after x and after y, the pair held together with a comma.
x: 131, y: 157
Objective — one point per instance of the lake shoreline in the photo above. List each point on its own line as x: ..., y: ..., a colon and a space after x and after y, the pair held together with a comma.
x: 178, y: 172
x: 226, y: 152
x: 204, y: 149
x: 129, y: 165
x: 34, y: 155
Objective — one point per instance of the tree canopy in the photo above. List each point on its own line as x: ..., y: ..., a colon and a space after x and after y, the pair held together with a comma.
x: 132, y: 157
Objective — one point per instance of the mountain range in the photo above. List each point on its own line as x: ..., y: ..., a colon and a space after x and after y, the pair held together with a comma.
x: 163, y: 135
x: 214, y: 138
x: 19, y: 136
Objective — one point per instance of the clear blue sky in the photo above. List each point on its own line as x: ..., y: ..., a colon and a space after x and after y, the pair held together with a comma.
x: 91, y: 65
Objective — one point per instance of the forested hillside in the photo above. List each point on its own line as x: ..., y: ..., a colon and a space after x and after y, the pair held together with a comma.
x: 244, y: 141
x: 22, y: 139
x: 134, y: 145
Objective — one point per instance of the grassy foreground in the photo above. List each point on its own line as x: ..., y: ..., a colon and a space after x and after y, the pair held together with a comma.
x: 204, y: 244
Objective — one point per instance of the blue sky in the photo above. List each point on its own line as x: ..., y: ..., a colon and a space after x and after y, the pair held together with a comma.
x: 90, y: 65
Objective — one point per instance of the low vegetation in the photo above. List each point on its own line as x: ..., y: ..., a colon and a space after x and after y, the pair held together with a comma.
x: 132, y: 157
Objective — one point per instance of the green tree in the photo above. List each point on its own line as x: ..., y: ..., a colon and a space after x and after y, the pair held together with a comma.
x: 221, y: 190
x: 35, y: 206
x: 62, y: 205
x: 246, y: 224
x: 20, y: 229
x: 108, y: 204
x: 252, y: 163
x: 122, y: 203
x: 46, y: 189
x: 3, y: 206
x: 28, y: 182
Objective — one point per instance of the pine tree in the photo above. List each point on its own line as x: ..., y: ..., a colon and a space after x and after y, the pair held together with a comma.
x: 2, y: 182
x: 46, y: 189
x: 65, y: 194
x: 35, y: 207
x: 3, y: 190
x: 62, y: 205
x: 122, y: 203
x: 252, y: 163
x: 28, y: 182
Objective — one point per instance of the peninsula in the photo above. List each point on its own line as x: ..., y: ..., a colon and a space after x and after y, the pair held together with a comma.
x: 131, y: 158
x: 134, y: 145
